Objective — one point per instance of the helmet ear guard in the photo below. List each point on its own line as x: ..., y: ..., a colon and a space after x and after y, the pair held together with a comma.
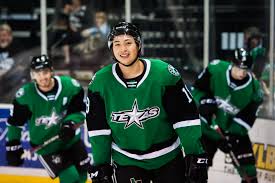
x: 242, y: 59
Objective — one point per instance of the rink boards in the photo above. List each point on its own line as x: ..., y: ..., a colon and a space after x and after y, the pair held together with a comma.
x: 222, y: 171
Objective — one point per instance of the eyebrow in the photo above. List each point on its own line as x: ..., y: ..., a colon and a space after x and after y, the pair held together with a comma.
x: 127, y: 39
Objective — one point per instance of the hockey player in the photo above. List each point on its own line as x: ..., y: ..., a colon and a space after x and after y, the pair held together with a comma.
x: 228, y: 97
x: 141, y: 116
x: 51, y: 105
x: 253, y: 40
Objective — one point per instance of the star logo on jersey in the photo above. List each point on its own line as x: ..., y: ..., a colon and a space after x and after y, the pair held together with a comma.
x: 20, y: 93
x: 173, y: 71
x: 48, y: 121
x: 135, y: 115
x: 226, y: 106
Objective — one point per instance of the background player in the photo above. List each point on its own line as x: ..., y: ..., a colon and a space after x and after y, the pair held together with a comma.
x: 228, y: 96
x: 51, y: 105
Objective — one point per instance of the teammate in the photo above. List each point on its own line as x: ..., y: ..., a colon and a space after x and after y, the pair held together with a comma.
x: 51, y: 105
x: 228, y: 97
x: 253, y: 40
x: 142, y: 116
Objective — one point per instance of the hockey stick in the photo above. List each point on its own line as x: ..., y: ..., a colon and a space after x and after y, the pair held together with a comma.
x: 233, y: 156
x: 52, y: 139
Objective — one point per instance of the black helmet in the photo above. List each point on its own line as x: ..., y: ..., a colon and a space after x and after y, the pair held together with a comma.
x: 124, y: 28
x: 242, y: 59
x: 41, y: 62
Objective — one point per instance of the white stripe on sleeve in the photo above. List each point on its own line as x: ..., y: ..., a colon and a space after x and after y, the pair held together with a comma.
x: 187, y: 123
x: 99, y: 132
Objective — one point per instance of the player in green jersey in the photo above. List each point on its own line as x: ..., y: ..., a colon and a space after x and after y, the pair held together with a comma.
x: 228, y: 97
x: 142, y: 118
x: 253, y: 41
x: 51, y: 106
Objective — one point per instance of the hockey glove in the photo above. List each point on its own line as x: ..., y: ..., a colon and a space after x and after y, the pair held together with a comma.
x: 67, y: 131
x: 207, y: 107
x: 252, y: 180
x: 196, y: 168
x: 101, y: 174
x: 14, y: 152
x: 228, y: 142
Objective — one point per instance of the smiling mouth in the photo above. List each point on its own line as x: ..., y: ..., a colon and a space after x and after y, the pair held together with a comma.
x: 124, y: 55
x: 44, y: 81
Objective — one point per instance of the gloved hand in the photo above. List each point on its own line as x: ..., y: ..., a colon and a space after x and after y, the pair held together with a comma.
x: 101, y: 173
x: 196, y: 168
x: 14, y: 152
x: 228, y: 143
x: 67, y: 131
x: 207, y: 107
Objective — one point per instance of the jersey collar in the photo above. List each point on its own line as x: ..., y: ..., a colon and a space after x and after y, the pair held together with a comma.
x: 148, y: 67
x: 241, y: 86
x: 58, y: 90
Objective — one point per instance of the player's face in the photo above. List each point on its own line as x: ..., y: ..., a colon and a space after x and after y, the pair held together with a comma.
x: 125, y: 49
x: 5, y: 38
x: 43, y: 78
x: 238, y: 73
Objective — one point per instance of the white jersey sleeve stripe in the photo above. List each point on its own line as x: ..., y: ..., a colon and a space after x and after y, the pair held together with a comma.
x: 242, y: 123
x: 99, y: 132
x: 187, y: 123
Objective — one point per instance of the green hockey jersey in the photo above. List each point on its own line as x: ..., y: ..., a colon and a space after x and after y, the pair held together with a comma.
x: 145, y: 126
x: 259, y: 58
x: 44, y: 115
x: 234, y: 102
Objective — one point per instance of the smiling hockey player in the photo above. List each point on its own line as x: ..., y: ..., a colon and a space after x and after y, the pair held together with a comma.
x: 142, y: 116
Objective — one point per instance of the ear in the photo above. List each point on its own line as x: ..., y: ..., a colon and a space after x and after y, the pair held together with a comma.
x: 32, y: 76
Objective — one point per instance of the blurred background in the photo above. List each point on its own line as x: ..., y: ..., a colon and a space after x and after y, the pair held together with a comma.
x: 185, y: 33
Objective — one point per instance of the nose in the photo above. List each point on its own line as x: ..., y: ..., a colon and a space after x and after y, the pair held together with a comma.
x: 40, y: 75
x: 243, y: 73
x: 123, y: 48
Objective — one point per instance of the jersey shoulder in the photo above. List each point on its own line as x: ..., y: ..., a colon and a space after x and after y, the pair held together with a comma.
x: 258, y: 90
x: 258, y: 51
x: 164, y: 71
x: 100, y: 76
x: 25, y: 92
x: 218, y: 65
x: 68, y: 82
x: 105, y: 71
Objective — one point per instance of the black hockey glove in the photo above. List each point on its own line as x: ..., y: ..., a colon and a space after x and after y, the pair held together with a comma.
x: 14, y: 152
x: 228, y: 143
x: 196, y: 168
x: 101, y: 174
x: 67, y: 131
x: 207, y: 107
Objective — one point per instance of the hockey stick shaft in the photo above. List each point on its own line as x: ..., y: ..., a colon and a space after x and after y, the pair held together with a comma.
x: 52, y: 139
x: 233, y: 156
